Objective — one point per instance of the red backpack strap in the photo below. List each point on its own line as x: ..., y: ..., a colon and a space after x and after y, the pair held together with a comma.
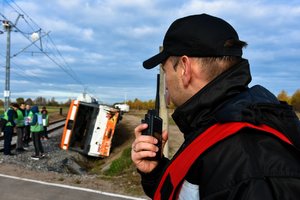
x: 178, y: 168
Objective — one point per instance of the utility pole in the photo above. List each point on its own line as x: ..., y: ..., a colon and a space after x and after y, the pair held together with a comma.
x: 163, y: 110
x: 7, y: 27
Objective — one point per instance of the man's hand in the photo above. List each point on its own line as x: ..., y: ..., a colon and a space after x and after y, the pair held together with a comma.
x: 144, y: 147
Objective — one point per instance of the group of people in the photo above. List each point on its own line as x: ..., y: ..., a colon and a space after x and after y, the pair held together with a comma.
x: 30, y: 124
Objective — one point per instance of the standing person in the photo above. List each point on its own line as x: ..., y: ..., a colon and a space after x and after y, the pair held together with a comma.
x: 207, y: 80
x: 36, y: 128
x: 20, y: 127
x: 10, y: 115
x: 28, y: 119
x: 45, y: 118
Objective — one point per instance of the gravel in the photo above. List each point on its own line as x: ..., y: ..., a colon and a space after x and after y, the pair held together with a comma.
x: 56, y: 160
x: 60, y: 166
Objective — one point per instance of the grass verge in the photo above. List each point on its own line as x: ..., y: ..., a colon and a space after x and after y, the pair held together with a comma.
x: 119, y: 165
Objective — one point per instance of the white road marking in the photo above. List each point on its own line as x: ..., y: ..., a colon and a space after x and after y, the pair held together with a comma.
x: 72, y: 187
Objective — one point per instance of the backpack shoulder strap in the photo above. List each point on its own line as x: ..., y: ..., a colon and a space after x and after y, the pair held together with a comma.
x: 177, y: 169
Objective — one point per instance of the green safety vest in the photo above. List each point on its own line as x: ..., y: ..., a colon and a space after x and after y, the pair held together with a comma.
x: 38, y: 127
x: 20, y: 119
x: 29, y: 117
x: 6, y: 117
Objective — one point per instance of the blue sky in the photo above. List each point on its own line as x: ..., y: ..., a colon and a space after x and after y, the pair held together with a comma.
x: 99, y: 45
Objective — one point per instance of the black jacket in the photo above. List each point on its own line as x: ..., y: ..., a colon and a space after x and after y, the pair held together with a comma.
x: 250, y: 164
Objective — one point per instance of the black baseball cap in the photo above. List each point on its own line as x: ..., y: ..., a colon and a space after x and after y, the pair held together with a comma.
x: 200, y: 35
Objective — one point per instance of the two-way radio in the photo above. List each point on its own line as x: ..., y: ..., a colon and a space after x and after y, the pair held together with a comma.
x: 154, y: 123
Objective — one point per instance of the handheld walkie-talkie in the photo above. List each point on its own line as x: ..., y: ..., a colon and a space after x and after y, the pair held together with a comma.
x: 154, y: 123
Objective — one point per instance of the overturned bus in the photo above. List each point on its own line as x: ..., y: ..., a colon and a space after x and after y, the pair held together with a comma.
x: 89, y: 128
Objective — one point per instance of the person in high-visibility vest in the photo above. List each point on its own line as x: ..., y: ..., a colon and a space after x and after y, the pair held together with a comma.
x: 45, y: 118
x: 36, y: 128
x: 10, y: 115
x: 20, y: 124
x: 28, y: 119
x: 208, y: 81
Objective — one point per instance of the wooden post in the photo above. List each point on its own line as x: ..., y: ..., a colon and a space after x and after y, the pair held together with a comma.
x: 163, y: 111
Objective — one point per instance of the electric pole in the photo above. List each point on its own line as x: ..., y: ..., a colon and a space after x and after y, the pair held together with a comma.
x: 7, y: 28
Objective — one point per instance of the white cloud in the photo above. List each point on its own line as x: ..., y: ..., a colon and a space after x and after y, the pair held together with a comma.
x: 108, y: 40
x: 35, y: 72
x: 64, y: 28
x: 138, y: 32
x: 67, y: 48
x: 69, y: 4
x: 87, y: 34
x: 90, y: 57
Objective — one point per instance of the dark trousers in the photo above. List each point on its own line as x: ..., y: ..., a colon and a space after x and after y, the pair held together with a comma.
x: 20, y: 134
x: 38, y: 147
x: 45, y: 133
x: 8, y: 133
x: 26, y: 138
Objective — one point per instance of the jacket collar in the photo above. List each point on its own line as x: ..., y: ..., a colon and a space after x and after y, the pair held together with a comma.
x: 199, y: 110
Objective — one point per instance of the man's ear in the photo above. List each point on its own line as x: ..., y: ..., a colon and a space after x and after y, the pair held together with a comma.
x: 186, y: 70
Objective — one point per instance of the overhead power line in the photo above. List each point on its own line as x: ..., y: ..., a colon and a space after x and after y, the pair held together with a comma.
x: 52, y: 52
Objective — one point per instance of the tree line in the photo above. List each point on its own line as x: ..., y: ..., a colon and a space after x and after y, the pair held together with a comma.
x: 144, y: 105
x: 40, y: 101
x: 293, y: 100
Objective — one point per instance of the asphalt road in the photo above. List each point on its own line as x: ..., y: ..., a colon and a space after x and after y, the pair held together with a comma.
x: 12, y: 188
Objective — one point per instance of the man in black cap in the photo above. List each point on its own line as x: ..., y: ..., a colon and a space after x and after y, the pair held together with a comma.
x: 240, y: 142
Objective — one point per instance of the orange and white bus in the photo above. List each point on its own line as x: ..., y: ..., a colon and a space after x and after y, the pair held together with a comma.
x: 89, y: 128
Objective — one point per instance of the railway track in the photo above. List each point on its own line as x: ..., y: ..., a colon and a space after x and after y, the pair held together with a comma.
x: 52, y: 127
